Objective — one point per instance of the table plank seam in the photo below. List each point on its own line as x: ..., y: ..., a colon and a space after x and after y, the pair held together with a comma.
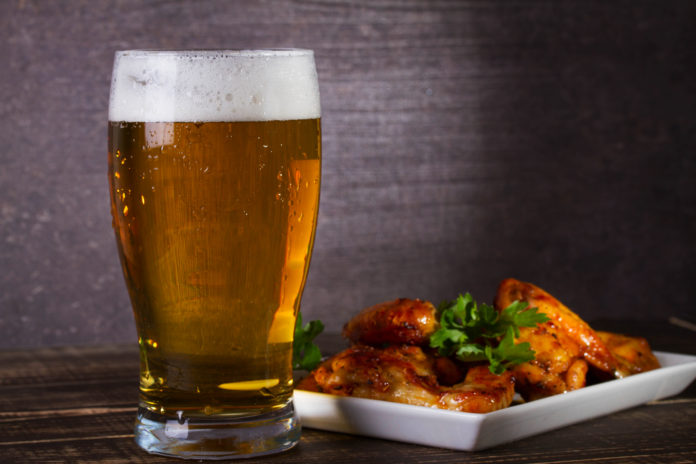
x: 66, y: 439
x: 68, y: 383
x: 15, y: 416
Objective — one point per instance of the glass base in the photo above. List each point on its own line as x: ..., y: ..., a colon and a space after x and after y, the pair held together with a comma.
x: 219, y: 438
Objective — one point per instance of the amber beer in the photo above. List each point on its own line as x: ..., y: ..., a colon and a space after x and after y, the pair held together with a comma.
x: 214, y: 168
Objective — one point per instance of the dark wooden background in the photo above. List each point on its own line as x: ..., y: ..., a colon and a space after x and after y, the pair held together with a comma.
x: 464, y: 142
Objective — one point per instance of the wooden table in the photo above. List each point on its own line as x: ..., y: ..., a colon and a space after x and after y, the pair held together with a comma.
x: 77, y: 404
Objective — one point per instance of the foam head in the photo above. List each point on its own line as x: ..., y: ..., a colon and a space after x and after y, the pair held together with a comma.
x: 198, y: 86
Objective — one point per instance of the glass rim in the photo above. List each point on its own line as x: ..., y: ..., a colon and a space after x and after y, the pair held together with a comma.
x: 222, y: 52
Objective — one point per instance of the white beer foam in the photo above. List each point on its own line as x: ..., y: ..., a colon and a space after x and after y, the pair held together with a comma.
x: 199, y: 86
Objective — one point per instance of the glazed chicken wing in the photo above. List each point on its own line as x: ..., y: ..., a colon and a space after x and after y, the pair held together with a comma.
x: 565, y: 345
x: 401, y: 321
x: 406, y: 374
x: 556, y: 368
x: 563, y: 320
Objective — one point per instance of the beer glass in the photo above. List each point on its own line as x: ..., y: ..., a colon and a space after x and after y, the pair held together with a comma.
x: 214, y: 172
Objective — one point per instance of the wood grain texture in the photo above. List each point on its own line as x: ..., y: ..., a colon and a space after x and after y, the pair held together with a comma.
x: 596, y: 441
x: 51, y: 411
x: 464, y: 142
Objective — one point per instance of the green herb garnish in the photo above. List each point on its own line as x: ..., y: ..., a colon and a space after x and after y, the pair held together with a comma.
x: 474, y: 332
x: 305, y: 353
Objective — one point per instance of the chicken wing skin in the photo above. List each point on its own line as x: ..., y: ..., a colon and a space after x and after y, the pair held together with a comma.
x: 407, y: 374
x: 401, y: 321
x: 633, y: 353
x: 557, y: 366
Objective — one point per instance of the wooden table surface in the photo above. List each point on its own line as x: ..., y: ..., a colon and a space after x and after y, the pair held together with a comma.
x: 77, y: 404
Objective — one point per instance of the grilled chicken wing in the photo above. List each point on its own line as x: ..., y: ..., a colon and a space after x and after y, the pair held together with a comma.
x: 400, y: 321
x: 562, y: 319
x: 566, y: 344
x: 563, y: 345
x: 406, y: 374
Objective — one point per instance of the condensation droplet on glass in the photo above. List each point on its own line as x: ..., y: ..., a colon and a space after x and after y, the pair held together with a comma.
x: 278, y: 196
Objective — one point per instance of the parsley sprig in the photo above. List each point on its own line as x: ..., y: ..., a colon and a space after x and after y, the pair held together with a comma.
x: 474, y: 332
x: 305, y: 353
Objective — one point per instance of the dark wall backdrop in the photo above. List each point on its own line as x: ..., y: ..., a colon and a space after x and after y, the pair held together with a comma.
x: 464, y: 142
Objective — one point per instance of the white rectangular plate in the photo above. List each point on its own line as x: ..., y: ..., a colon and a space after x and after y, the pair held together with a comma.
x: 473, y: 432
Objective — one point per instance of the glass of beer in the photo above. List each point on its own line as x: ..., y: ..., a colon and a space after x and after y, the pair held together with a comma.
x: 214, y: 173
